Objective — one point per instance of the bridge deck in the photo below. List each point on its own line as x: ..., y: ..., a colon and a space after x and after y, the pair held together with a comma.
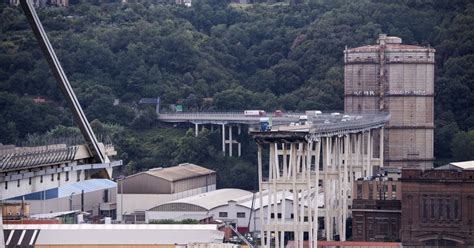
x: 325, y: 125
x: 225, y: 118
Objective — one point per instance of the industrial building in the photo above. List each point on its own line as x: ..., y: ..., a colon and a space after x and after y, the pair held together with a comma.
x: 142, y: 191
x: 397, y: 79
x: 219, y: 204
x: 96, y: 196
x: 233, y: 206
x: 438, y: 206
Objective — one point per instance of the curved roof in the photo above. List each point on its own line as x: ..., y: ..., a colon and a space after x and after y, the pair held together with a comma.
x: 213, y: 199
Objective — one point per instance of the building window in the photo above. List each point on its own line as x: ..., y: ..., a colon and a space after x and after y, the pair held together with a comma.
x: 425, y: 209
x: 378, y: 195
x: 448, y: 209
x: 394, y: 191
x: 359, y: 191
x: 440, y: 208
x: 6, y: 185
x: 106, y: 195
x: 279, y: 215
x: 272, y: 216
x: 292, y: 216
x: 18, y: 183
x: 223, y: 214
x: 59, y: 176
x: 240, y: 215
x: 67, y: 176
x: 78, y: 175
x: 41, y: 179
x: 455, y: 208
x: 432, y: 209
x: 29, y: 181
x: 52, y: 177
x: 371, y: 191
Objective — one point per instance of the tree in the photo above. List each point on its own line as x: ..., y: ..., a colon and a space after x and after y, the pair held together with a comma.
x: 463, y: 146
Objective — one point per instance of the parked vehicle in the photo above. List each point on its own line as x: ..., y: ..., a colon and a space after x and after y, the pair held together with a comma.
x: 278, y: 113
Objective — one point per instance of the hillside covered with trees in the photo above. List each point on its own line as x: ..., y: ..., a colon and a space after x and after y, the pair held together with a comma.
x: 258, y: 56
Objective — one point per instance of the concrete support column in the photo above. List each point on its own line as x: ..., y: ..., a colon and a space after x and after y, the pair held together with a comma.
x: 346, y: 186
x: 316, y: 193
x: 351, y: 161
x: 230, y: 141
x: 369, y: 153
x: 339, y: 184
x: 196, y: 129
x: 223, y: 138
x: 362, y: 147
x: 293, y: 164
x: 381, y: 147
x: 327, y: 161
x: 260, y: 180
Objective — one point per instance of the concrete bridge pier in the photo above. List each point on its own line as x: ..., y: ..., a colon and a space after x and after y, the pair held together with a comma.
x: 230, y: 142
x: 196, y: 129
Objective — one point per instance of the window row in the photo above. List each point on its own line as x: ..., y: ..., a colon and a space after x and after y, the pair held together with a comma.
x: 225, y: 214
x: 58, y: 176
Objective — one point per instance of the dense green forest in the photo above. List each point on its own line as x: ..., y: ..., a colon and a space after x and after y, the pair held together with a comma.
x: 257, y: 56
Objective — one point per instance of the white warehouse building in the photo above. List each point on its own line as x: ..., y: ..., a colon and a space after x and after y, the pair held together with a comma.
x: 228, y: 205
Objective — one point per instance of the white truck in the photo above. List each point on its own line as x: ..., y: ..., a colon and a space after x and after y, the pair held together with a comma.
x: 254, y: 113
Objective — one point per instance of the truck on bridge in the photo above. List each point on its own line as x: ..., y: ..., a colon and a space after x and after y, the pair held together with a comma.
x: 254, y: 113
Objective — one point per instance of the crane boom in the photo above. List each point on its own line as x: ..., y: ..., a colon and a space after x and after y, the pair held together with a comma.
x: 61, y: 78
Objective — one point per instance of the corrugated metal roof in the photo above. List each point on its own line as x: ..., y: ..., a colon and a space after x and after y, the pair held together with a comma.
x: 87, y: 186
x: 246, y: 201
x: 214, y: 198
x: 180, y: 172
x: 465, y: 165
x: 53, y: 215
x: 220, y: 197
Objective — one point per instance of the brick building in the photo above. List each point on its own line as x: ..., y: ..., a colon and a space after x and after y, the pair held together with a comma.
x: 438, y: 206
x: 376, y: 210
